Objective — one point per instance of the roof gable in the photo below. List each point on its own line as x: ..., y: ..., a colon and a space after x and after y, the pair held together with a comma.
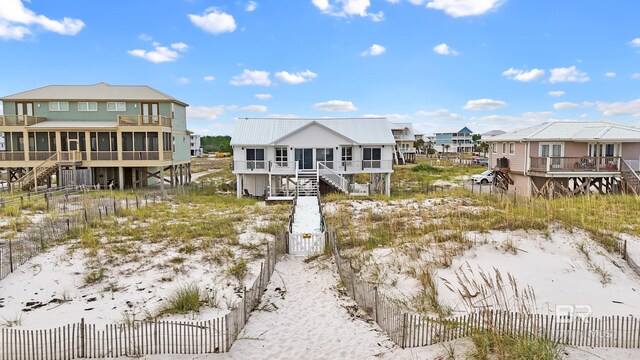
x: 309, y: 125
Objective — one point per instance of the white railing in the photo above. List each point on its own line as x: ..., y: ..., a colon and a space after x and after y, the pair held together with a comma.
x: 306, y: 244
x: 359, y: 189
x: 283, y: 167
x: 250, y: 165
x: 333, y: 177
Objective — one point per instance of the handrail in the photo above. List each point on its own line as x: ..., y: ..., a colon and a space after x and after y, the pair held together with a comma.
x: 333, y: 176
x: 626, y: 170
x: 32, y: 175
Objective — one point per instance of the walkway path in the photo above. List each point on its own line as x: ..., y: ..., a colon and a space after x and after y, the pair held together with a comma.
x: 302, y: 317
x: 307, y: 216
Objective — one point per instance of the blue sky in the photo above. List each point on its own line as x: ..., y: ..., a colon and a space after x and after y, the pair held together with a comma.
x: 486, y: 64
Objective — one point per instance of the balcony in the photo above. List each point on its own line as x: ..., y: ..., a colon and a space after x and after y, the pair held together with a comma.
x: 20, y: 120
x: 144, y: 120
x: 561, y: 164
x: 289, y: 167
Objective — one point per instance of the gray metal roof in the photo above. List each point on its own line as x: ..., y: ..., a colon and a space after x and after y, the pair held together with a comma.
x: 98, y: 92
x: 573, y: 131
x: 493, y: 133
x: 267, y: 131
x: 74, y: 124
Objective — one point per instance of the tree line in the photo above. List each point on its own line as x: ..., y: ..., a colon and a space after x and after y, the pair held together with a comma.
x: 216, y: 143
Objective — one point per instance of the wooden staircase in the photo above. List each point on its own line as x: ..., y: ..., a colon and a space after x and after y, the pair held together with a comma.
x: 630, y: 176
x: 339, y: 182
x: 38, y: 173
x: 307, y: 183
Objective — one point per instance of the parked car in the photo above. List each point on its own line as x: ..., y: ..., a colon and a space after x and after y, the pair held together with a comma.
x: 485, y: 177
x: 481, y: 161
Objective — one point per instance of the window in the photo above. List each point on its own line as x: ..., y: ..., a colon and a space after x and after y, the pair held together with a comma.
x: 494, y: 148
x: 117, y: 106
x: 512, y: 148
x: 255, y: 159
x: 347, y: 154
x: 504, y: 148
x: 58, y: 106
x: 87, y: 106
x: 152, y: 141
x: 371, y: 158
x: 325, y: 156
x: 281, y: 156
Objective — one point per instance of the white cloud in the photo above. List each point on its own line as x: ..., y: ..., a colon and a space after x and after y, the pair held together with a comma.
x: 208, y: 78
x: 556, y: 93
x: 251, y: 77
x: 160, y: 53
x: 565, y: 105
x: 459, y: 8
x: 348, y: 8
x: 251, y: 6
x: 524, y: 76
x: 635, y: 42
x: 440, y: 114
x: 323, y: 5
x: 570, y: 74
x: 484, y: 104
x: 145, y: 37
x: 444, y: 49
x: 15, y: 20
x: 255, y: 108
x: 205, y: 112
x: 214, y: 21
x: 335, y: 105
x: 635, y: 76
x: 183, y: 80
x: 263, y: 96
x: 620, y: 108
x: 182, y: 47
x: 610, y: 74
x: 295, y: 78
x: 374, y: 50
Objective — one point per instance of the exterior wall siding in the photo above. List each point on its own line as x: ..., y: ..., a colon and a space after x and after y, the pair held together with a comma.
x: 517, y: 161
x: 631, y: 151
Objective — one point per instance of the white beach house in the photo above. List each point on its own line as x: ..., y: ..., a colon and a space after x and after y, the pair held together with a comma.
x: 276, y: 158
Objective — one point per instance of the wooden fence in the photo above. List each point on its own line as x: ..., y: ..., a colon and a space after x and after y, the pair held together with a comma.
x: 622, y: 248
x: 81, y: 340
x: 413, y: 330
x: 74, y: 208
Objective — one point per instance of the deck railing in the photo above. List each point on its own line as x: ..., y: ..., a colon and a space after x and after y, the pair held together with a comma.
x: 140, y: 155
x: 575, y: 163
x: 251, y: 165
x: 104, y: 155
x: 12, y: 156
x: 144, y: 120
x: 20, y: 120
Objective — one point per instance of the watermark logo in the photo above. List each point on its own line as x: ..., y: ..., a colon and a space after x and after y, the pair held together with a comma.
x: 567, y: 313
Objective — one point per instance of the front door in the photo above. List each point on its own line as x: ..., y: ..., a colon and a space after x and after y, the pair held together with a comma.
x: 23, y: 109
x: 150, y: 112
x: 304, y: 157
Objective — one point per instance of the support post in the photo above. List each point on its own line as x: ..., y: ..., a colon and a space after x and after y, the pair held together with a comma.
x: 121, y: 178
